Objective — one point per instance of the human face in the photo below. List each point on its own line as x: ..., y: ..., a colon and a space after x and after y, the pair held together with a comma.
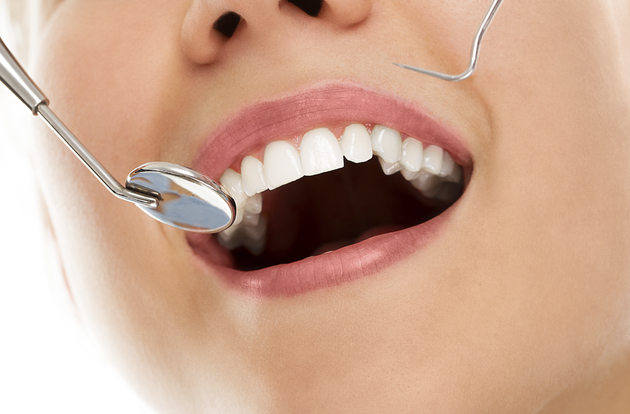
x: 514, y: 299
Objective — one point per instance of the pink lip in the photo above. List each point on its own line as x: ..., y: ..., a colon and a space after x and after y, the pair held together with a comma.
x: 328, y: 104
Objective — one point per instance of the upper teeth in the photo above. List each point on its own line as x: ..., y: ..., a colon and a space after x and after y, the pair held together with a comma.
x: 319, y: 152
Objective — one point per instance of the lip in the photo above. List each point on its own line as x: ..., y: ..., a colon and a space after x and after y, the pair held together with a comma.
x: 322, y: 105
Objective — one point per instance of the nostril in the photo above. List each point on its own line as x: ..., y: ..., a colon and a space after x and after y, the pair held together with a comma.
x: 310, y: 7
x: 227, y: 23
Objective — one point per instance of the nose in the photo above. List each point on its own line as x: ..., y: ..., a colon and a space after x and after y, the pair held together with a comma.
x: 211, y: 24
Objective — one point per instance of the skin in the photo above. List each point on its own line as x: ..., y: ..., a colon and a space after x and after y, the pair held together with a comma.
x: 522, y: 306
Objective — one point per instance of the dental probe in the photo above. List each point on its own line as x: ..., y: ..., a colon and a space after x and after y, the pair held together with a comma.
x: 474, y: 51
x: 172, y: 194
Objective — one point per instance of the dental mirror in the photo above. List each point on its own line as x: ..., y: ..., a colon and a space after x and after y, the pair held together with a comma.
x: 172, y: 194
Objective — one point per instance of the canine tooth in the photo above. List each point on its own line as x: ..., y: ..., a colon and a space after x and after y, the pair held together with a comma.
x: 386, y: 143
x: 320, y: 152
x: 432, y: 159
x: 233, y: 183
x: 411, y: 156
x: 390, y: 168
x: 356, y: 144
x: 448, y: 165
x: 282, y: 164
x: 426, y: 181
x: 254, y: 204
x: 409, y: 175
x: 253, y: 175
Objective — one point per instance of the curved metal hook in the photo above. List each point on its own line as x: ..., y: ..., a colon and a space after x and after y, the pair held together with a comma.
x: 474, y: 52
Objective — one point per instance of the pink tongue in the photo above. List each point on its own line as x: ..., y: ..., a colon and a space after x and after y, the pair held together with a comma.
x: 327, y: 247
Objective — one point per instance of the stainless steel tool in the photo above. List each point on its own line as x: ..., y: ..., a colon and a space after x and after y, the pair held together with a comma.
x: 170, y: 193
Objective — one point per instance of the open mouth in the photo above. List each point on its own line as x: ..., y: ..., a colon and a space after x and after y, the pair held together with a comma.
x: 305, y: 201
x: 345, y: 199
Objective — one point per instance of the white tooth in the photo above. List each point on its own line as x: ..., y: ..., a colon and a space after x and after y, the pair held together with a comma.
x: 390, y: 168
x: 233, y: 183
x: 230, y: 239
x: 250, y: 219
x: 254, y: 204
x: 253, y: 174
x: 409, y: 175
x: 448, y: 165
x: 282, y: 164
x: 456, y: 176
x: 356, y: 144
x: 320, y: 152
x: 426, y: 181
x: 258, y: 231
x: 432, y: 159
x: 386, y: 143
x: 411, y: 157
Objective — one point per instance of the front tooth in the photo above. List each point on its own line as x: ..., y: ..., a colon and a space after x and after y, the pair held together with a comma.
x: 432, y: 159
x: 282, y: 164
x: 232, y: 182
x: 448, y: 165
x: 356, y: 144
x: 386, y: 143
x: 390, y: 168
x: 253, y: 174
x: 320, y: 152
x: 411, y: 157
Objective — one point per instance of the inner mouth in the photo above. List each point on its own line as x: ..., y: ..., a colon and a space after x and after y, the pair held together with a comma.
x: 322, y: 213
x: 304, y: 200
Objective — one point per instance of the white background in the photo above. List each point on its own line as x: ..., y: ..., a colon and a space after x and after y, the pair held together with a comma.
x: 47, y: 363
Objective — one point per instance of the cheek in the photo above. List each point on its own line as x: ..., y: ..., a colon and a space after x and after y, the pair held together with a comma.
x: 106, y: 77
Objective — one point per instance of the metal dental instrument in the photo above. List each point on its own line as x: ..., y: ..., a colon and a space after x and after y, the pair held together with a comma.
x: 474, y: 51
x: 170, y: 193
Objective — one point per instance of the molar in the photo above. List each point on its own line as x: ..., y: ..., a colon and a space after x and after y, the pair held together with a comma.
x: 426, y: 181
x: 356, y: 144
x: 386, y: 143
x: 282, y: 164
x: 320, y: 152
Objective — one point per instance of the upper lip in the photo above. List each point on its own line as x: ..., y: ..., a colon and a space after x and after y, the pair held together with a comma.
x: 331, y: 103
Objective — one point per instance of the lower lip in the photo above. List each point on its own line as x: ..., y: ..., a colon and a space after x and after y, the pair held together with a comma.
x: 347, y: 264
